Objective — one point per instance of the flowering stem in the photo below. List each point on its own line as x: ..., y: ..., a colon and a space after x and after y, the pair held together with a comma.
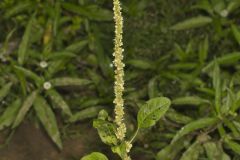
x: 119, y: 71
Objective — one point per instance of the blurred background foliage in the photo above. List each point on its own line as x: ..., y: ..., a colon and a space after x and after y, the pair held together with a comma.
x: 56, y: 69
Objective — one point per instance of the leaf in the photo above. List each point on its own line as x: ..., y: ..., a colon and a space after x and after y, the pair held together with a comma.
x: 190, y: 100
x: 67, y: 81
x: 95, y: 156
x: 5, y: 90
x: 153, y: 87
x: 106, y: 131
x: 27, y: 104
x: 233, y: 145
x: 48, y: 119
x: 59, y: 101
x: 236, y: 33
x: 9, y: 114
x: 203, y: 50
x: 77, y: 46
x: 170, y: 152
x: 192, y: 23
x: 152, y: 111
x: 60, y: 55
x: 177, y: 117
x: 214, y: 152
x: 92, y: 12
x: 192, y: 152
x: 217, y: 87
x: 195, y: 125
x: 30, y: 74
x: 16, y: 9
x: 24, y: 45
x: 233, y: 6
x: 86, y: 113
x: 227, y: 59
x: 141, y: 64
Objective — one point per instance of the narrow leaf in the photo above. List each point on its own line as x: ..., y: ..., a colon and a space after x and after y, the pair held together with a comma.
x: 9, y: 114
x: 23, y: 48
x: 67, y: 81
x: 48, y: 120
x: 192, y: 23
x: 5, y: 90
x: 27, y: 104
x: 59, y: 101
x: 195, y: 125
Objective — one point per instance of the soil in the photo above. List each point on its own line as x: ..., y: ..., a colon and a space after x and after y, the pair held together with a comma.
x: 32, y: 143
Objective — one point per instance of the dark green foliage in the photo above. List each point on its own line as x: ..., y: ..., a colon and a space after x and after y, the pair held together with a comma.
x: 185, y: 50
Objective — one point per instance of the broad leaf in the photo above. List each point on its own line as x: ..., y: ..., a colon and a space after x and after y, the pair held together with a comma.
x: 95, y: 156
x: 106, y: 131
x: 152, y: 111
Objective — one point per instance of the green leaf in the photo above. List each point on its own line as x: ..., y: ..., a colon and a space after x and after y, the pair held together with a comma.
x: 195, y: 125
x: 92, y: 12
x: 214, y: 152
x: 177, y: 117
x: 217, y: 87
x: 203, y: 50
x: 5, y: 90
x: 95, y: 156
x: 106, y: 131
x: 59, y: 101
x: 233, y: 6
x: 141, y: 64
x: 236, y: 33
x: 227, y: 59
x: 86, y: 113
x: 48, y: 119
x: 190, y: 100
x: 77, y: 46
x: 192, y: 152
x: 60, y: 55
x: 29, y: 73
x: 16, y: 9
x: 24, y: 45
x: 192, y: 23
x: 27, y: 104
x: 233, y: 145
x: 67, y: 81
x: 171, y: 151
x: 152, y: 111
x: 9, y: 114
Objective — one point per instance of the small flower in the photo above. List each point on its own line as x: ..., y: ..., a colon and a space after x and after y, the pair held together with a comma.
x: 128, y: 146
x: 47, y: 85
x: 224, y: 13
x: 43, y: 64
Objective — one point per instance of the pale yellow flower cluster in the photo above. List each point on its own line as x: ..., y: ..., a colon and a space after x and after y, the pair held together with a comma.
x: 119, y: 71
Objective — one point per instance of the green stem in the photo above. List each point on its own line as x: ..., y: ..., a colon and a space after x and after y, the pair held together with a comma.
x: 135, y: 134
